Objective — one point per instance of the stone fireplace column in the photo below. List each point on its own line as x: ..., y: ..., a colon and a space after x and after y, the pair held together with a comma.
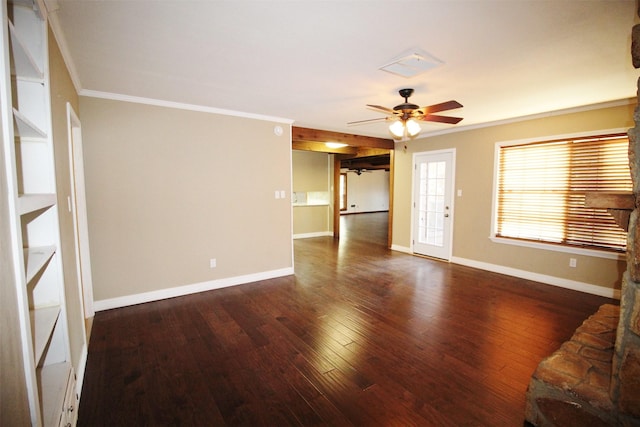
x: 625, y: 378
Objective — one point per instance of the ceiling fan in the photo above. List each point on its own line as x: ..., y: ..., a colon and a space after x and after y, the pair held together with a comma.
x: 359, y: 171
x: 405, y: 116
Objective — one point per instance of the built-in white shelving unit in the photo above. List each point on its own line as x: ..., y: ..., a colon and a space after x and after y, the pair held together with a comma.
x: 30, y: 169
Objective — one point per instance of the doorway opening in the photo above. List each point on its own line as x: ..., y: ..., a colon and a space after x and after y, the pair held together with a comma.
x: 355, y: 149
x: 78, y: 208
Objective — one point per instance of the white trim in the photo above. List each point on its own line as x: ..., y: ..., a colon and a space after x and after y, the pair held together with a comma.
x: 293, y: 252
x: 494, y: 190
x: 542, y: 278
x: 600, y: 105
x: 315, y: 234
x: 559, y: 248
x: 52, y: 7
x: 330, y: 186
x: 564, y: 136
x: 78, y: 210
x: 177, y: 291
x: 180, y: 106
x: 80, y: 372
x: 403, y: 249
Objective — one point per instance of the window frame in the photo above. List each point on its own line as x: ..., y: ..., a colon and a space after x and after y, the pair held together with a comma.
x: 600, y: 253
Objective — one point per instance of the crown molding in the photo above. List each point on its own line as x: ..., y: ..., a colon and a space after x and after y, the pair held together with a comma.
x: 181, y: 106
x: 580, y: 109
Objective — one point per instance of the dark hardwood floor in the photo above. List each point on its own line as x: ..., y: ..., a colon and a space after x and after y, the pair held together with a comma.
x: 360, y: 336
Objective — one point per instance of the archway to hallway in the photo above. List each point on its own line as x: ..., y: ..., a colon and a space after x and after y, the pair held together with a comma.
x: 357, y: 147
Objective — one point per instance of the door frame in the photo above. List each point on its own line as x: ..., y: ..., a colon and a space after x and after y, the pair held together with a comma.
x: 78, y: 206
x: 452, y: 186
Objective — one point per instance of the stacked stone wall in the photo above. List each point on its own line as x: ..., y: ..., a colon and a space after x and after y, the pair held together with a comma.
x: 571, y: 387
x: 625, y: 380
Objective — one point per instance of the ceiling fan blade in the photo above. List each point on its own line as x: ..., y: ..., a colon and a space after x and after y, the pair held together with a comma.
x: 381, y: 108
x: 440, y: 119
x: 449, y: 105
x: 360, y: 122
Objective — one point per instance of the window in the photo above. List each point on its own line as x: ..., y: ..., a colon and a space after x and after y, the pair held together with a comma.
x: 541, y: 186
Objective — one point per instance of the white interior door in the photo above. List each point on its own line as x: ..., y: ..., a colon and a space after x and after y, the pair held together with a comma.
x: 433, y: 203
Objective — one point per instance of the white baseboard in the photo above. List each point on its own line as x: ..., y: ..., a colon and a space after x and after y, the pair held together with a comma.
x: 80, y: 370
x: 127, y: 300
x: 528, y: 275
x: 542, y: 278
x: 316, y: 234
x: 403, y: 249
x: 124, y: 301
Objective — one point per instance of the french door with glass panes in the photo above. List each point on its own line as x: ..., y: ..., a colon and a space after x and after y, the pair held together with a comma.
x: 432, y: 208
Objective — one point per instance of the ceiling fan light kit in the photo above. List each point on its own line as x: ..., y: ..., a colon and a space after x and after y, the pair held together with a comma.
x: 405, y: 116
x: 397, y: 129
x: 413, y: 127
x: 409, y: 128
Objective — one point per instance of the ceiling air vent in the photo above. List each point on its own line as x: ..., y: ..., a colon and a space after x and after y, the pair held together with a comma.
x: 411, y: 64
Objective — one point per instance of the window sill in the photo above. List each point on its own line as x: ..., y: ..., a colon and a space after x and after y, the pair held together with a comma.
x: 557, y: 248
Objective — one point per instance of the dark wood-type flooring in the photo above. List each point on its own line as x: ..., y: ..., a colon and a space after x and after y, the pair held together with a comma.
x: 361, y: 335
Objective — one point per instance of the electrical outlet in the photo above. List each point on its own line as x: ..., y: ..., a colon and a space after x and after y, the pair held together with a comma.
x: 212, y: 263
x: 573, y: 263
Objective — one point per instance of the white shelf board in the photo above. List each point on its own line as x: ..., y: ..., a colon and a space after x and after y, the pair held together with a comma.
x: 24, y: 66
x: 32, y: 202
x: 24, y: 127
x: 53, y: 386
x: 35, y: 259
x: 43, y: 320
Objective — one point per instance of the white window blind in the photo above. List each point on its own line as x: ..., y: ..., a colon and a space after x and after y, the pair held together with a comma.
x: 541, y: 191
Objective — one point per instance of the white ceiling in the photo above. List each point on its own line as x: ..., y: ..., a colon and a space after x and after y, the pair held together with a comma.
x: 316, y: 62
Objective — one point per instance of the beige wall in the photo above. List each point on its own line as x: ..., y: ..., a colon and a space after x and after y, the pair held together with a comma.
x: 63, y: 91
x: 310, y: 221
x: 311, y: 172
x: 367, y: 192
x: 169, y: 189
x: 474, y: 176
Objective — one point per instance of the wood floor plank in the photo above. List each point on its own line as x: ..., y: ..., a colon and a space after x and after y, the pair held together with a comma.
x: 360, y: 335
